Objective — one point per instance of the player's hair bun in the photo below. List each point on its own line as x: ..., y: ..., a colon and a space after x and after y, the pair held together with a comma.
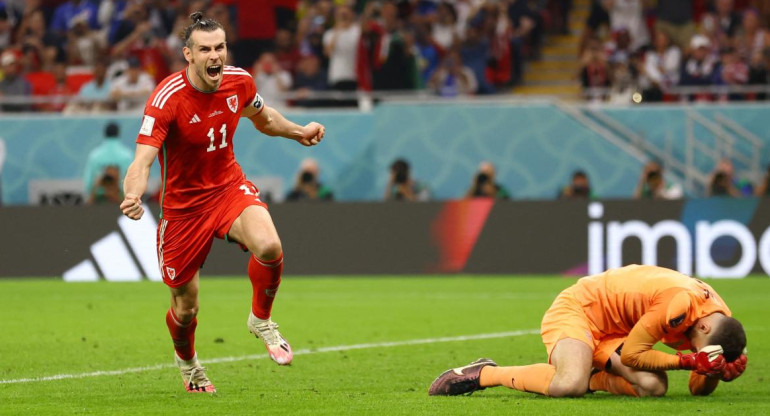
x: 196, y: 17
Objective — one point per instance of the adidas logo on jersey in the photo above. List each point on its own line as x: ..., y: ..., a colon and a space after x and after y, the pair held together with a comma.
x: 195, y: 119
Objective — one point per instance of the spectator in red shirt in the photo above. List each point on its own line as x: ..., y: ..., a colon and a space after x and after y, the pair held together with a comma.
x: 257, y: 28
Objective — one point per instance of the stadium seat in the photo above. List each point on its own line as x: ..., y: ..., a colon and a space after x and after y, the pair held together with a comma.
x: 42, y: 82
x: 77, y: 80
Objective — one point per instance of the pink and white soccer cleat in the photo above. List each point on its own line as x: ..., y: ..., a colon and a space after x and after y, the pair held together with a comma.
x: 194, y: 376
x: 277, y: 346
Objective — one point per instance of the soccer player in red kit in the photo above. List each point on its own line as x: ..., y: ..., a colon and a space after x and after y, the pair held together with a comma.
x: 188, y: 124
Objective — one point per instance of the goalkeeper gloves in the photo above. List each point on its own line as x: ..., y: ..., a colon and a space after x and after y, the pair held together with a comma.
x: 734, y: 369
x: 709, y: 361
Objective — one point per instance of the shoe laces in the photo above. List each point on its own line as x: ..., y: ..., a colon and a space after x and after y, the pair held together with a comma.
x: 268, y: 330
x: 196, y: 374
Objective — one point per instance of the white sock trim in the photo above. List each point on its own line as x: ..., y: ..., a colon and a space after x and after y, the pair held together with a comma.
x: 186, y: 362
x: 270, y: 266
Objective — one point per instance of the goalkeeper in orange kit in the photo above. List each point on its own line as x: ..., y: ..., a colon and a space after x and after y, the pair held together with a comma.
x: 599, y: 335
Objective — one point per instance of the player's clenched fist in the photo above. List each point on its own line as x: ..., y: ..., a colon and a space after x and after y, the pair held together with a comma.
x: 132, y: 207
x: 709, y: 361
x: 312, y: 134
x: 734, y: 369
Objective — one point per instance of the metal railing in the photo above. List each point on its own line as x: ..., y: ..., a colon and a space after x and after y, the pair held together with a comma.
x: 685, y: 93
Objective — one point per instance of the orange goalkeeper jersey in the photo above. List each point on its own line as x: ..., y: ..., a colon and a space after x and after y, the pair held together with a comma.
x: 665, y: 302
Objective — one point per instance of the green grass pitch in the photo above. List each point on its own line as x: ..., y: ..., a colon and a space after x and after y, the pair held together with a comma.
x: 369, y: 345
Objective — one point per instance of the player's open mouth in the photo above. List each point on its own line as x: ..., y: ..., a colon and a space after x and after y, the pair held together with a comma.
x: 214, y: 70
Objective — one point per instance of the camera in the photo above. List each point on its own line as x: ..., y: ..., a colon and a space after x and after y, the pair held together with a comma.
x: 401, y: 177
x: 400, y: 169
x: 481, y: 179
x: 307, y: 178
x: 108, y: 179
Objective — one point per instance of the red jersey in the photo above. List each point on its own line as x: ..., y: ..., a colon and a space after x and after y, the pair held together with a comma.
x: 194, y: 131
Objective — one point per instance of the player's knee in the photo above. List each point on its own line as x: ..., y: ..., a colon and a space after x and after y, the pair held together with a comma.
x: 652, y: 384
x: 185, y: 314
x: 568, y: 387
x: 268, y: 249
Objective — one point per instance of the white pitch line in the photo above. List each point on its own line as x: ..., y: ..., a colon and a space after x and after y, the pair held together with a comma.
x: 305, y: 351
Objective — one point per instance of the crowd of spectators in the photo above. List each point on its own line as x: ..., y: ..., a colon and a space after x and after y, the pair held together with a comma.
x: 691, y: 50
x: 108, y: 53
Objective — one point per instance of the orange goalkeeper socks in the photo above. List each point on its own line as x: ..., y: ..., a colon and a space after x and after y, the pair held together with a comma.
x: 604, y: 381
x: 535, y: 378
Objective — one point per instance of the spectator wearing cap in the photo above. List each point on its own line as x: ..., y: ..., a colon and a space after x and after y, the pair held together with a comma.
x: 131, y: 89
x: 100, y: 177
x: 13, y: 85
x: 701, y: 65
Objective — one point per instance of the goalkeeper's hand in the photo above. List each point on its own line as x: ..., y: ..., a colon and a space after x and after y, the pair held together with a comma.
x: 709, y: 361
x: 734, y: 369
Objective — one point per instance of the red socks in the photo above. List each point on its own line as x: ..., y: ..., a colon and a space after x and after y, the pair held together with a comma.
x: 183, y: 336
x: 265, y: 277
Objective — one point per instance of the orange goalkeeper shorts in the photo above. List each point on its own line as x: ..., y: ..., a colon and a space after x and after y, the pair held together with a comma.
x: 566, y: 319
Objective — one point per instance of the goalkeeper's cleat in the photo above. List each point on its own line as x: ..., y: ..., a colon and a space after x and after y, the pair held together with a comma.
x: 194, y: 376
x: 460, y: 380
x: 277, y: 346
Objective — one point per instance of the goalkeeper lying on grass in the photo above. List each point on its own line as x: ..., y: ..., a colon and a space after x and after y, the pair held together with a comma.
x: 599, y: 335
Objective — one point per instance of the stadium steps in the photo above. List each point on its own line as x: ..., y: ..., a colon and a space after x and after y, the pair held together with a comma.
x: 556, y: 72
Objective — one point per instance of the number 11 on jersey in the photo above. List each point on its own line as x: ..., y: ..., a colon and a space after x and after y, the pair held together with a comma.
x: 222, y: 145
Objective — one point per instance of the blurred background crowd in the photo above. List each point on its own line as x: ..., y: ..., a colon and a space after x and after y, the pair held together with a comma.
x: 670, y: 50
x: 110, y: 53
